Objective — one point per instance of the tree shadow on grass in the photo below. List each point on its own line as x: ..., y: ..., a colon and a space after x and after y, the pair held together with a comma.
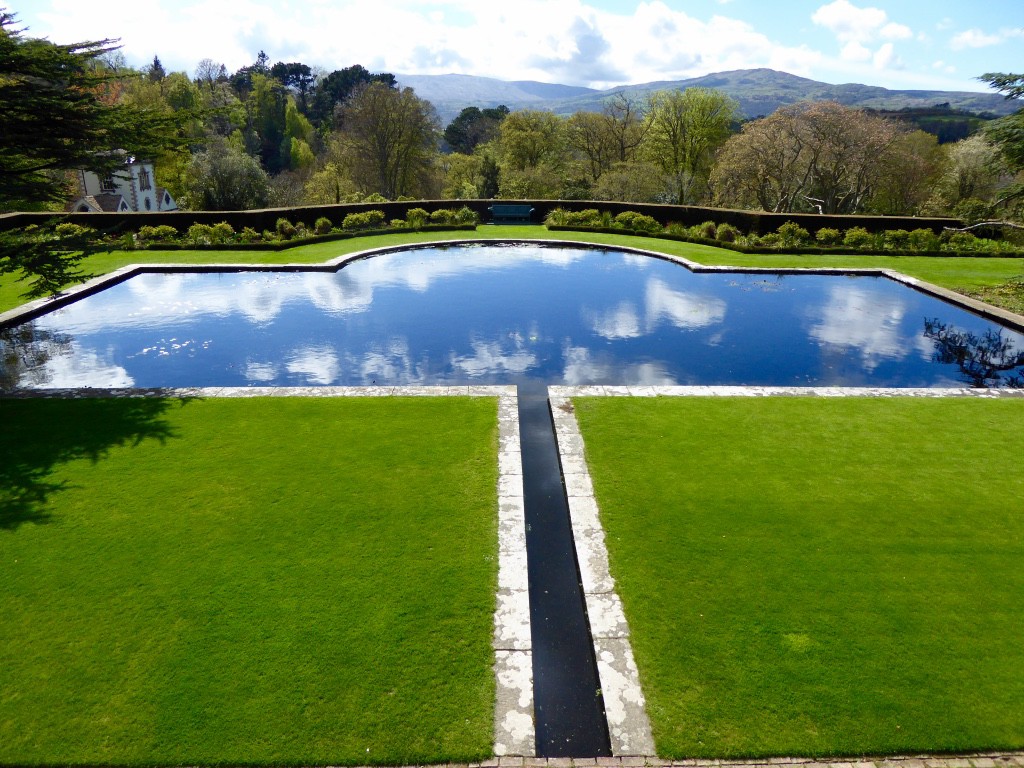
x: 38, y: 435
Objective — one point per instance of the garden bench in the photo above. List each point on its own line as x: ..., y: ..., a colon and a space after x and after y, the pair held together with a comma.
x: 510, y: 212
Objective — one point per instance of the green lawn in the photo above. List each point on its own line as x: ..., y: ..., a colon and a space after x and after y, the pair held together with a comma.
x: 950, y: 272
x: 288, y: 581
x: 810, y: 576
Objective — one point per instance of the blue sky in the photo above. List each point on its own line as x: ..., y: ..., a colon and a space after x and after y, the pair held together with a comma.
x: 907, y: 44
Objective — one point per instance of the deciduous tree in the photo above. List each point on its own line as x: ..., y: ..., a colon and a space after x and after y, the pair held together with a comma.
x: 391, y: 138
x: 684, y: 129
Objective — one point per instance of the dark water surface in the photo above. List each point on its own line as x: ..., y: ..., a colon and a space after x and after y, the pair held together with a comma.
x: 504, y: 314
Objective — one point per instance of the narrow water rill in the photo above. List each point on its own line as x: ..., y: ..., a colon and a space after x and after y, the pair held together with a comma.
x: 569, y: 710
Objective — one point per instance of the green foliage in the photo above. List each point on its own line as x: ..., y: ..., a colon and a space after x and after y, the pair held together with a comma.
x: 896, y: 239
x: 222, y: 231
x: 923, y: 240
x: 224, y: 178
x: 727, y: 233
x: 416, y: 217
x: 443, y: 216
x: 211, y: 234
x: 793, y: 235
x: 771, y: 240
x: 589, y: 217
x: 638, y: 222
x: 466, y: 215
x: 249, y: 235
x: 707, y: 230
x: 364, y: 220
x: 285, y: 229
x: 162, y: 233
x: 960, y: 241
x: 858, y: 237
x: 374, y: 197
x: 70, y: 231
x: 972, y: 210
x: 828, y: 236
x: 322, y: 226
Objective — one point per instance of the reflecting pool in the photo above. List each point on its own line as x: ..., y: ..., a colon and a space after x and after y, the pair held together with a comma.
x: 504, y: 314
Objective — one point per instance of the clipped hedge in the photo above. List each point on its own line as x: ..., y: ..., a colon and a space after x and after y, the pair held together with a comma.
x: 797, y: 250
x: 265, y: 219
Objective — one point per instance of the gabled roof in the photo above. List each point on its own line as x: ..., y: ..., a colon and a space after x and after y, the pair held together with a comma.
x: 101, y: 203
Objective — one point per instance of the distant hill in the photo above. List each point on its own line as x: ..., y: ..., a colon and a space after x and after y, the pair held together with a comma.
x: 758, y: 91
x: 450, y: 94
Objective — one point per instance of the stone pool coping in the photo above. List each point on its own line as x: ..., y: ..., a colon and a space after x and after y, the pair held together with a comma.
x: 37, y: 307
x: 625, y: 706
x: 514, y: 732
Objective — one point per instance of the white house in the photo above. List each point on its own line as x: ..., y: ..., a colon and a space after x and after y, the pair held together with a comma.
x: 131, y: 189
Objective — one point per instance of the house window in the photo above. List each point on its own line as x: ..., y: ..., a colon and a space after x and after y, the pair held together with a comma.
x: 144, y: 182
x: 149, y: 204
x: 107, y: 182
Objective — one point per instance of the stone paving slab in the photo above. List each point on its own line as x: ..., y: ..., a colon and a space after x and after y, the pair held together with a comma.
x: 566, y: 393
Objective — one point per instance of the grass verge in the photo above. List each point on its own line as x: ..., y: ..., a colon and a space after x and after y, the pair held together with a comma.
x: 818, y: 577
x: 957, y: 273
x: 280, y: 581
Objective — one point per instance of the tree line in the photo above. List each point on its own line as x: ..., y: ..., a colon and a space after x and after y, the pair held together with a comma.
x: 287, y: 133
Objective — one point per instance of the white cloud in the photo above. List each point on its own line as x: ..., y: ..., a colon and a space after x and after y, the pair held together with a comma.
x: 854, y: 51
x: 850, y: 23
x: 886, y: 58
x: 974, y: 38
x: 893, y: 31
x: 578, y: 43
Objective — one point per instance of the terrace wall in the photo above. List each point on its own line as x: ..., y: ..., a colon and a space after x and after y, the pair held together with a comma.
x: 760, y: 222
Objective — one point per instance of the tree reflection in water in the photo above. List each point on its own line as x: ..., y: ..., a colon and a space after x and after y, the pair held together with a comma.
x: 986, y: 361
x: 24, y: 352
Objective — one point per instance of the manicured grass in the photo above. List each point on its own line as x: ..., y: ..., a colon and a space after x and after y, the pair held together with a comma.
x: 950, y: 272
x: 818, y: 576
x: 257, y: 581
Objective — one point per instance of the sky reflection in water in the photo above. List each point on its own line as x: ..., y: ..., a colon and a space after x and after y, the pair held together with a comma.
x: 486, y: 314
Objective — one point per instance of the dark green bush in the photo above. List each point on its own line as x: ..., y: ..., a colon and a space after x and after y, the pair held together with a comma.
x: 727, y: 233
x: 285, y: 229
x: 443, y: 216
x: 162, y: 233
x: 364, y: 220
x: 707, y: 230
x: 222, y: 232
x: 416, y: 217
x: 200, y: 234
x: 858, y: 237
x: 637, y: 222
x: 923, y: 240
x: 828, y: 236
x: 896, y: 239
x: 322, y: 226
x: 960, y: 241
x: 793, y: 234
x: 771, y: 240
x: 69, y: 231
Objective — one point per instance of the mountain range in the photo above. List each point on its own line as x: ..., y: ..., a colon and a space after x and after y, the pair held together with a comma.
x: 759, y: 92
